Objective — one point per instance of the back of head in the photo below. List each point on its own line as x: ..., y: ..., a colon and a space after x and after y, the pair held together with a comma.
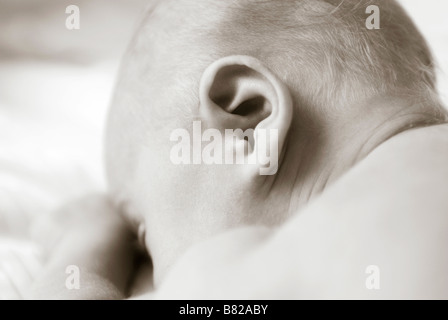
x: 324, y: 51
x: 324, y: 43
x: 321, y: 49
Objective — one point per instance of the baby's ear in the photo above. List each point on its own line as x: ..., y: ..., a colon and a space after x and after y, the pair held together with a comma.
x: 239, y: 92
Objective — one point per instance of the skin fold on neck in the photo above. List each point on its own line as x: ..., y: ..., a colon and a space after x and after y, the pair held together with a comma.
x: 312, y: 160
x: 341, y: 145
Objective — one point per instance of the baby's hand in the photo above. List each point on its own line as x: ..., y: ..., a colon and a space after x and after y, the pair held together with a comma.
x: 19, y: 264
x: 89, y: 234
x: 84, y: 214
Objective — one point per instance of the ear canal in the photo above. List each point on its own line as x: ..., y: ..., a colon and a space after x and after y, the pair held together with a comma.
x: 243, y: 92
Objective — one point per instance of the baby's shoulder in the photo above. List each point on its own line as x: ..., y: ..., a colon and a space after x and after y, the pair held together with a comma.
x: 406, y: 176
x: 417, y: 147
x: 435, y: 133
x: 413, y: 164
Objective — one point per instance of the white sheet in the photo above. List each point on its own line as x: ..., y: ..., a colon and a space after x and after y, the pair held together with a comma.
x: 51, y: 122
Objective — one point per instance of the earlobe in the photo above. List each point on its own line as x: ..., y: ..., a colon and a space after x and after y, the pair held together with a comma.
x: 239, y: 92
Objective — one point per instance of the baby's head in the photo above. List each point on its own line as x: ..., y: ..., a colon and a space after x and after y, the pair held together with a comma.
x: 308, y: 70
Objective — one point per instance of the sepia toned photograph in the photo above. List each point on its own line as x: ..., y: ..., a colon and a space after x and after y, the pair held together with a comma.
x: 240, y: 151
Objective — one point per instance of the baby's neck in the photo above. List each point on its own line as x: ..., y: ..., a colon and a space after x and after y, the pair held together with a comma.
x: 342, y: 145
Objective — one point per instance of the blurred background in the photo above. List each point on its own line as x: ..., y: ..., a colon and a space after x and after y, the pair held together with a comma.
x: 55, y: 86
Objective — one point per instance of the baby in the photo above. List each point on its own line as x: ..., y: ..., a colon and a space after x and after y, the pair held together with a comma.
x: 341, y: 99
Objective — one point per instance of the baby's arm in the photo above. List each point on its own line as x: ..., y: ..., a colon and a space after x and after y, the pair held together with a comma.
x: 92, y: 237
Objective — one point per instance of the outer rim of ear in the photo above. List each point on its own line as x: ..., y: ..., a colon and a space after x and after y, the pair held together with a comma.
x: 282, y: 109
x: 282, y: 92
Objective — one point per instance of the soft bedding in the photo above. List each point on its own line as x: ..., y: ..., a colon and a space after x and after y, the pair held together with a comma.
x: 50, y: 153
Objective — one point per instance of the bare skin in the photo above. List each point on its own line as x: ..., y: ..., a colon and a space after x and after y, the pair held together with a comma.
x: 336, y: 158
x: 90, y: 235
x: 390, y: 210
x: 230, y: 79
